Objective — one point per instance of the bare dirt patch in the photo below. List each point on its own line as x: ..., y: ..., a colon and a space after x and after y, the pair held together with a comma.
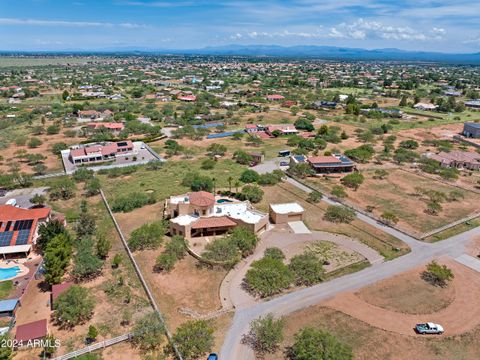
x: 407, y: 293
x: 187, y: 286
x: 461, y: 316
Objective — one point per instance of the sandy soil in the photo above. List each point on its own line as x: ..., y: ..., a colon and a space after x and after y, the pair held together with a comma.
x: 407, y: 292
x: 461, y: 316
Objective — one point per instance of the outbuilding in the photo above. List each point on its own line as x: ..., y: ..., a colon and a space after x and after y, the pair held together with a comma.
x: 8, y: 307
x: 31, y: 331
x: 284, y: 213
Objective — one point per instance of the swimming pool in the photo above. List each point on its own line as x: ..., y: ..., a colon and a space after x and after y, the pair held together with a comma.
x: 221, y: 201
x: 8, y: 273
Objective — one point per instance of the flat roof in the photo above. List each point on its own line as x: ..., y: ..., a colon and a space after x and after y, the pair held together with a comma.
x: 287, y: 208
x: 15, y: 249
x: 8, y: 305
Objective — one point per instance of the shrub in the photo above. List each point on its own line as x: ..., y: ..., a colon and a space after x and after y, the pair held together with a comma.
x: 82, y: 175
x: 252, y: 193
x: 194, y: 339
x: 131, y: 201
x: 244, y: 239
x: 314, y: 197
x: 165, y: 262
x: 353, y: 180
x: 208, y: 164
x: 249, y: 176
x: 266, y: 333
x: 267, y: 277
x: 73, y: 307
x: 62, y: 189
x: 148, y: 332
x: 34, y: 143
x: 147, y: 236
x: 339, y: 214
x: 312, y: 344
x: 438, y: 274
x: 274, y: 253
x: 222, y: 250
x: 307, y: 268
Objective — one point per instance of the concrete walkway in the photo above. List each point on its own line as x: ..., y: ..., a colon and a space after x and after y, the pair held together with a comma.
x: 298, y: 227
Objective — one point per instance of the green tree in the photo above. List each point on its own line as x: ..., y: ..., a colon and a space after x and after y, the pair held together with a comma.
x: 47, y: 231
x: 148, y: 332
x: 252, y: 193
x: 86, y: 265
x: 73, y: 307
x: 438, y: 274
x: 339, y: 192
x: 266, y: 334
x: 312, y: 344
x: 314, y: 197
x: 267, y: 277
x: 217, y: 149
x: 339, y: 214
x: 86, y: 224
x: 6, y: 351
x: 307, y: 268
x: 353, y: 180
x: 249, y: 176
x: 92, y: 333
x: 103, y: 246
x: 147, y: 236
x: 389, y: 217
x: 92, y: 187
x: 165, y: 262
x: 380, y: 174
x: 194, y: 339
x: 38, y: 199
x: 57, y: 256
x: 62, y: 189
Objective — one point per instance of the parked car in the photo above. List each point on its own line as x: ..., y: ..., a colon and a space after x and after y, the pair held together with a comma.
x: 284, y: 163
x: 429, y: 328
x: 212, y: 356
x: 3, y: 192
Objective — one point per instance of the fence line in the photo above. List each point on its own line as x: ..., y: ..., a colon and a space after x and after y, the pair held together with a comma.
x: 448, y: 226
x: 96, y: 346
x: 142, y: 280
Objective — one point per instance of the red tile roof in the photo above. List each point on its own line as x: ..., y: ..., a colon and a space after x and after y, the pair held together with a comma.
x: 12, y: 213
x: 202, y: 198
x: 59, y: 289
x: 109, y: 125
x: 31, y: 331
x: 323, y: 160
x: 213, y: 222
x: 275, y: 97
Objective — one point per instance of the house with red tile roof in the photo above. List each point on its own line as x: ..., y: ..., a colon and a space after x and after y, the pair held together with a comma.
x: 113, y: 127
x: 188, y: 98
x: 19, y: 228
x: 275, y: 97
x: 284, y: 129
x: 199, y: 214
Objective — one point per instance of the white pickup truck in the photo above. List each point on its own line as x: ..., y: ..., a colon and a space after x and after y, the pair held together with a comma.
x: 429, y: 328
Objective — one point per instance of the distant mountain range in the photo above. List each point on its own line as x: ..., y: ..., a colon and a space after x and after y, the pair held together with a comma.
x: 300, y: 51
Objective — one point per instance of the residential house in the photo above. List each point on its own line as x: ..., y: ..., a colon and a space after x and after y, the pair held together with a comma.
x: 199, y: 214
x: 456, y: 159
x: 100, y: 152
x: 19, y: 228
x: 471, y: 130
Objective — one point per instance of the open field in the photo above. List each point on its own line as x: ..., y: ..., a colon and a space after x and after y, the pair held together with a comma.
x: 8, y: 61
x: 406, y: 293
x: 397, y: 194
x: 385, y: 244
x: 375, y: 337
x: 167, y: 181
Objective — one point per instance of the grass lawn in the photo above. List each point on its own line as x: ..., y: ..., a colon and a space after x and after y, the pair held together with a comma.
x: 167, y: 181
x: 369, y: 342
x: 385, y: 244
x: 6, y: 288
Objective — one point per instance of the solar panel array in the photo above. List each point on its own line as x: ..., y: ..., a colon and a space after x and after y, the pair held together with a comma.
x: 22, y: 237
x: 6, y: 238
x: 23, y: 225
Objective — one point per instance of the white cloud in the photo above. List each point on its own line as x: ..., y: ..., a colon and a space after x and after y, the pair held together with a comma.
x: 36, y: 22
x: 363, y: 29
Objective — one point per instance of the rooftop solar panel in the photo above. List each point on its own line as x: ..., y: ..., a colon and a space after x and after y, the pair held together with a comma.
x: 22, y: 237
x: 6, y: 238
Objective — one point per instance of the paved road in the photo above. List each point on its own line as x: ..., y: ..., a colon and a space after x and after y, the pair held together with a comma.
x: 233, y: 349
x: 421, y: 253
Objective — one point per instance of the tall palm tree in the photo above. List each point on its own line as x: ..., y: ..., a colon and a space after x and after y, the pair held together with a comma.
x: 230, y: 179
x: 237, y: 184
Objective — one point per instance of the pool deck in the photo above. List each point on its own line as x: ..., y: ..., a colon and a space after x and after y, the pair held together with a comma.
x: 28, y: 268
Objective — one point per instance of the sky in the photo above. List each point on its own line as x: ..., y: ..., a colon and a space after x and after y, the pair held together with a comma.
x: 443, y: 25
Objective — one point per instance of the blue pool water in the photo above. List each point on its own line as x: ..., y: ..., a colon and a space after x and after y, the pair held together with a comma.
x: 221, y: 201
x: 9, y: 273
